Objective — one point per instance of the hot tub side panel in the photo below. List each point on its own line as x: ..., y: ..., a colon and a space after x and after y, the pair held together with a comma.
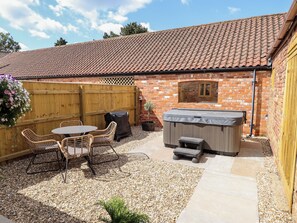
x: 222, y: 139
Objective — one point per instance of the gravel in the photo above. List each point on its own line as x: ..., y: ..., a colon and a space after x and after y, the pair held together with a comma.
x: 269, y: 211
x: 156, y: 188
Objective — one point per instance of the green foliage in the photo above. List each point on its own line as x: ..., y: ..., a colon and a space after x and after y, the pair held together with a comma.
x: 129, y: 29
x: 119, y: 212
x: 61, y: 42
x: 132, y: 28
x: 149, y: 106
x: 7, y: 44
x: 110, y: 35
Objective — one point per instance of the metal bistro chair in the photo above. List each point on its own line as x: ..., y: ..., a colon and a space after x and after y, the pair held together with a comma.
x: 104, y: 137
x: 76, y: 147
x: 41, y: 144
x: 70, y: 123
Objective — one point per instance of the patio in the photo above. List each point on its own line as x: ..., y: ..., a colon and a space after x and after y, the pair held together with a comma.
x: 218, y: 189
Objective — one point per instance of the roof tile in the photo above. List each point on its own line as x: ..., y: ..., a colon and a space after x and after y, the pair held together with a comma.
x: 237, y: 43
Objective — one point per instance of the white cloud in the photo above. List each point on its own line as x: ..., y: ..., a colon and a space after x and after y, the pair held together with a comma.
x: 23, y: 47
x: 39, y: 34
x: 3, y: 30
x: 233, y: 10
x: 80, y: 21
x: 100, y: 15
x: 108, y: 27
x: 58, y: 10
x: 21, y: 16
x: 147, y: 25
x: 185, y: 2
x: 72, y: 28
x: 117, y: 17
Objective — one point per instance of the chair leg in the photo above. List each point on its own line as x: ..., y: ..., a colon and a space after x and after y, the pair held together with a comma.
x: 90, y: 164
x: 60, y: 166
x: 115, y: 153
x: 30, y: 163
x: 66, y: 168
x: 115, y: 159
x: 42, y: 171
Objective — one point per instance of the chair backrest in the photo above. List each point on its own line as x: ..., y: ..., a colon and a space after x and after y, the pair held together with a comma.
x: 39, y: 143
x: 71, y: 123
x: 76, y: 146
x: 30, y: 135
x: 104, y: 136
x: 110, y: 130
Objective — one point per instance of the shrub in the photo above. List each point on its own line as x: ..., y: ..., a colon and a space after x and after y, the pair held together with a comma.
x: 14, y: 100
x: 119, y: 212
x: 149, y: 106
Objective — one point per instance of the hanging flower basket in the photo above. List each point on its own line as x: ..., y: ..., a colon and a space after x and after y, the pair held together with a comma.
x: 14, y: 100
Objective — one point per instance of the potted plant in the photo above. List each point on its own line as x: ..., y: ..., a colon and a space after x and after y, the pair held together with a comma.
x: 148, y: 125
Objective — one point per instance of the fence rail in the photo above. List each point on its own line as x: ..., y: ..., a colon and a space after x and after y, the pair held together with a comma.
x: 54, y: 102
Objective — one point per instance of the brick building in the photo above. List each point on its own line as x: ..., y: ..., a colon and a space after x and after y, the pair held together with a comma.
x: 207, y: 66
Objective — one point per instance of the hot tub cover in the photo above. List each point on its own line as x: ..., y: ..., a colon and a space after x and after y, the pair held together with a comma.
x: 211, y: 117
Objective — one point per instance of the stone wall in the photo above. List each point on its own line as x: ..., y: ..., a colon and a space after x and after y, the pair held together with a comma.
x: 234, y: 93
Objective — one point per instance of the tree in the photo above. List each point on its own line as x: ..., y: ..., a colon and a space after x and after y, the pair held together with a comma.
x: 7, y: 44
x: 61, y: 42
x: 110, y: 35
x: 129, y: 29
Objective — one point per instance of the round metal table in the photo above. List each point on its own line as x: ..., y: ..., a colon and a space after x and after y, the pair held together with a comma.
x: 76, y: 129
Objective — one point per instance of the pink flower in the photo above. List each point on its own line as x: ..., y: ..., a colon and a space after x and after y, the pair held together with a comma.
x: 7, y: 92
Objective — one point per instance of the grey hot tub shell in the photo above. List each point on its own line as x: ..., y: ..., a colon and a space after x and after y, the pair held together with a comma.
x: 221, y: 130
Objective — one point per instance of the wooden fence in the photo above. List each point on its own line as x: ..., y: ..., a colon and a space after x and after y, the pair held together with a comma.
x: 288, y: 144
x: 54, y: 102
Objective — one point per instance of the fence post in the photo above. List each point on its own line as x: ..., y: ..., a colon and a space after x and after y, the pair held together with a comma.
x: 82, y: 104
x: 137, y: 110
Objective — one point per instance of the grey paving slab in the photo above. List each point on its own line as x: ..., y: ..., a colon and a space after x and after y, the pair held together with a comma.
x: 220, y: 197
x: 227, y: 190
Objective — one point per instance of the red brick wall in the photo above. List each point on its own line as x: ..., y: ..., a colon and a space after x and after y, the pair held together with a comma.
x: 234, y: 93
x: 275, y: 111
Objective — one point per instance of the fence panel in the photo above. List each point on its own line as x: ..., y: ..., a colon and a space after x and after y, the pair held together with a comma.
x: 288, y: 144
x: 54, y: 102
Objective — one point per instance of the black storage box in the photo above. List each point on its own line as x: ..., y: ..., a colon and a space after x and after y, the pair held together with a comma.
x: 123, y: 125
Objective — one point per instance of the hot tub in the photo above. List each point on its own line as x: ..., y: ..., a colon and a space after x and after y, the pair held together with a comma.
x: 221, y: 130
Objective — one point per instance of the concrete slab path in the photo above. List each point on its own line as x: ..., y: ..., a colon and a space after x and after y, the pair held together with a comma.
x: 227, y: 190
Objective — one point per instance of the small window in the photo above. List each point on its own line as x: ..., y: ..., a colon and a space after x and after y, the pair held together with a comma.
x: 205, y: 89
x: 198, y: 91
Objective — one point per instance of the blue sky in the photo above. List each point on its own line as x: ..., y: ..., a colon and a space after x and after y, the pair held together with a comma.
x: 39, y: 23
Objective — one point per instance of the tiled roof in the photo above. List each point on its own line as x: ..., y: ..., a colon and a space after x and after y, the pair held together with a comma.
x: 230, y: 44
x: 3, y: 54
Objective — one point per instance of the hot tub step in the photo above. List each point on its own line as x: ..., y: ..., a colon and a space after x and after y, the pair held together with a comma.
x: 191, y: 142
x: 192, y: 153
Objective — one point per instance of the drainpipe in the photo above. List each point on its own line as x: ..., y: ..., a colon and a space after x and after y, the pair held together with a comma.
x: 253, y: 103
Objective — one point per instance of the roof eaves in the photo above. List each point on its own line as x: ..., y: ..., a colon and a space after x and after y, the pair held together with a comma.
x: 290, y: 18
x: 205, y: 70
